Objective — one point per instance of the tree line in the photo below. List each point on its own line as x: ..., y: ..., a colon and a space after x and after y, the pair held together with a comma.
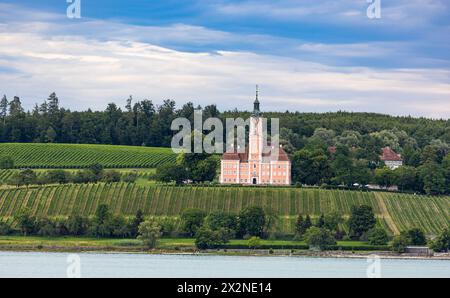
x: 144, y: 123
x: 140, y: 123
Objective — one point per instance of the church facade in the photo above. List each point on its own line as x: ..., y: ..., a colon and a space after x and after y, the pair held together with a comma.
x: 260, y: 164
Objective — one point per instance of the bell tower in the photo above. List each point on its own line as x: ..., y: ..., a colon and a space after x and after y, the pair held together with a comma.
x: 256, y: 131
x: 256, y: 111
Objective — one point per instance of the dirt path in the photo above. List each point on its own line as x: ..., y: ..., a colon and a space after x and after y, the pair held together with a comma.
x: 385, y: 214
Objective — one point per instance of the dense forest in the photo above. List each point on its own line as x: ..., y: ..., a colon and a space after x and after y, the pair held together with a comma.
x: 144, y: 123
x: 307, y: 137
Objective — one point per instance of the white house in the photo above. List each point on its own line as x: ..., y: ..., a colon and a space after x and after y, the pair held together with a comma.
x: 391, y: 159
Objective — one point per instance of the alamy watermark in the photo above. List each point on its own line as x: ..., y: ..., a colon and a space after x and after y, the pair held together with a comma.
x: 208, y: 136
x: 374, y: 267
x: 73, y: 266
x: 374, y: 9
x: 74, y: 9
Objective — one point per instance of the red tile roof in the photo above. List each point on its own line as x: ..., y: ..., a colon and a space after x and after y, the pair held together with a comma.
x: 243, y: 157
x: 390, y: 155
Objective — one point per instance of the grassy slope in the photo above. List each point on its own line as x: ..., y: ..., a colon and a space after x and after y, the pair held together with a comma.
x: 395, y: 211
x: 78, y: 156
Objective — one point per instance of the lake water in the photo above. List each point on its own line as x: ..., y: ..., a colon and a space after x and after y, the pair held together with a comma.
x: 24, y: 264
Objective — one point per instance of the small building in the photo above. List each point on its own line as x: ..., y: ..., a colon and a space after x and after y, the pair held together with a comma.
x: 419, y: 251
x: 260, y: 164
x: 391, y: 159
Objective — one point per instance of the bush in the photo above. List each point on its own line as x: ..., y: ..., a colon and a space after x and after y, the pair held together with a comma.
x: 46, y: 227
x: 416, y: 236
x: 6, y: 162
x: 192, y: 220
x: 100, y: 225
x: 399, y: 243
x: 25, y: 177
x: 97, y: 170
x: 84, y: 176
x: 319, y: 238
x: 409, y: 237
x: 220, y: 220
x: 208, y: 239
x: 362, y: 220
x: 135, y: 223
x: 5, y: 229
x: 169, y: 226
x: 149, y: 233
x: 111, y: 176
x: 118, y: 226
x: 321, y: 221
x: 77, y: 225
x: 129, y: 177
x: 169, y: 173
x: 332, y: 221
x: 26, y: 222
x: 442, y: 242
x: 252, y: 221
x: 378, y: 236
x: 58, y: 176
x: 302, y: 225
x: 61, y: 227
x: 254, y: 242
x: 340, y: 235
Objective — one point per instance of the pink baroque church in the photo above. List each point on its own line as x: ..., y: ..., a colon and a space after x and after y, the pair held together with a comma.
x: 256, y: 166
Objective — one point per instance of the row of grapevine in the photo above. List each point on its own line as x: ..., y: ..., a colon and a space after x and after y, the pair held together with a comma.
x: 80, y: 156
x: 5, y: 175
x: 416, y: 211
x: 429, y: 213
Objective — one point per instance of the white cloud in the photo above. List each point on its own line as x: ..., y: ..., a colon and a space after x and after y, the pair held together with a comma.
x: 90, y: 71
x: 352, y: 50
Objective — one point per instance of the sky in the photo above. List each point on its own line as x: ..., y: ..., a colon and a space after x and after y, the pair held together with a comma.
x: 305, y: 55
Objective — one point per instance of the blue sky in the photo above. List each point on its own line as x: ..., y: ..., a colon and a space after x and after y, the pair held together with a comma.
x: 306, y: 55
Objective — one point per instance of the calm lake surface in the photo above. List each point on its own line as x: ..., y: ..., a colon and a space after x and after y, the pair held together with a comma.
x: 24, y: 264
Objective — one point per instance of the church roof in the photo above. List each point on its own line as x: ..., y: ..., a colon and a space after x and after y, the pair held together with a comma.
x: 243, y: 157
x: 390, y: 155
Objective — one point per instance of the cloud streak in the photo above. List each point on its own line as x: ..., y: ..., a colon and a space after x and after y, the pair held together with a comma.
x: 87, y: 70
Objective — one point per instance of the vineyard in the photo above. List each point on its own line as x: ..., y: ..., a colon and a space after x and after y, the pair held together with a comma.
x: 394, y: 211
x: 5, y: 175
x: 80, y: 156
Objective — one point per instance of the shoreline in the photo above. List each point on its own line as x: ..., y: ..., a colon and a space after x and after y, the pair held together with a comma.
x: 228, y: 252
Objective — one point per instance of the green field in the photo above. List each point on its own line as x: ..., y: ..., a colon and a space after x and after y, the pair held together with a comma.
x: 81, y: 156
x: 396, y: 212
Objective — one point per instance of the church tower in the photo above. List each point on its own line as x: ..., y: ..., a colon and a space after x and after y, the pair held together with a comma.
x: 255, y: 166
x: 256, y: 133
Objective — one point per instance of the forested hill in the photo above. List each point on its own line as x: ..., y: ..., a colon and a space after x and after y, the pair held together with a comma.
x: 144, y: 123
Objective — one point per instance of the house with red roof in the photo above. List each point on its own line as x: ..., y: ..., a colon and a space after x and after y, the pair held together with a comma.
x: 391, y: 159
